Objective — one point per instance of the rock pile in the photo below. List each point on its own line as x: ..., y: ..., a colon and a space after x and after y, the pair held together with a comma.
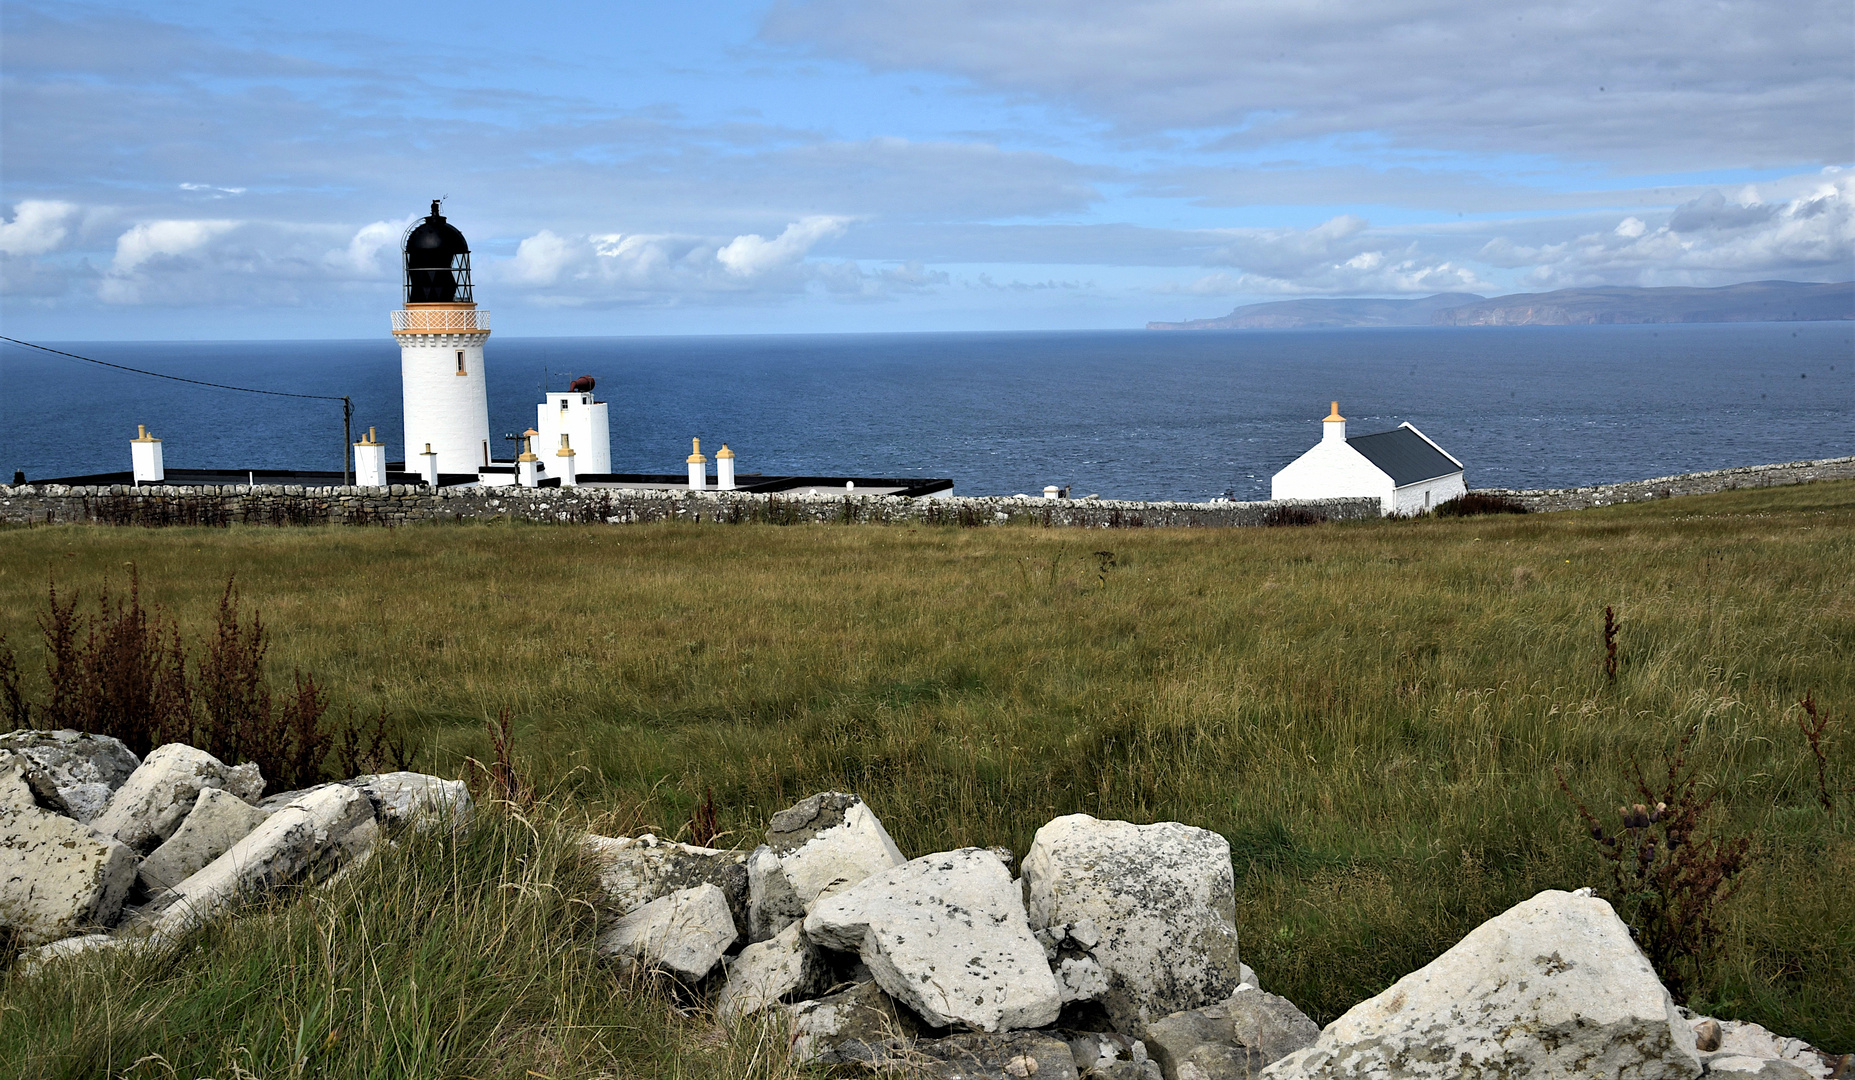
x: 1114, y: 956
x: 98, y: 848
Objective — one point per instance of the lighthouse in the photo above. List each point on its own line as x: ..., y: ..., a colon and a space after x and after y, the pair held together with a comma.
x: 441, y: 335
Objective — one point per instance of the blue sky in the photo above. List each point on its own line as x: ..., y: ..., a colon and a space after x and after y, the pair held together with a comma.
x: 200, y: 169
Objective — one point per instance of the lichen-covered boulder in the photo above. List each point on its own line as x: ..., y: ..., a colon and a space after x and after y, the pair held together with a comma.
x: 946, y: 936
x: 57, y: 877
x: 1014, y: 1055
x: 684, y: 934
x: 783, y: 968
x: 301, y: 840
x: 1232, y: 1040
x: 634, y: 872
x: 71, y: 772
x: 151, y: 804
x: 859, y: 1024
x: 823, y: 843
x: 405, y: 798
x: 1552, y: 987
x: 1162, y: 898
x: 218, y: 820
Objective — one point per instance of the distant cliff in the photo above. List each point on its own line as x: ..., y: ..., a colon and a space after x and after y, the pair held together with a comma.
x: 1753, y: 301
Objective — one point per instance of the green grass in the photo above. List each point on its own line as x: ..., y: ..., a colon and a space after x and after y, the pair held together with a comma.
x: 1372, y: 713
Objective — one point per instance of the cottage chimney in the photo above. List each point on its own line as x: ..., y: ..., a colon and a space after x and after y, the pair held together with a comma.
x: 724, y: 469
x: 1333, y: 427
x: 569, y: 476
x: 698, y: 466
x: 428, y: 466
x: 145, y: 457
x: 370, y: 461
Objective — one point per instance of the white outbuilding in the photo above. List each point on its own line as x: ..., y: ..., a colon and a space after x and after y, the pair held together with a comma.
x: 1402, y: 468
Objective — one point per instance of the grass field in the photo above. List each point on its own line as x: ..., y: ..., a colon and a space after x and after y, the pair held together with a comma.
x: 1372, y: 714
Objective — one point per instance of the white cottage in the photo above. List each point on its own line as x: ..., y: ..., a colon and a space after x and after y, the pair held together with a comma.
x: 1401, y: 468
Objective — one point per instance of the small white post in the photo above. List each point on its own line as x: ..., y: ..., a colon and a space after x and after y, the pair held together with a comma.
x: 145, y: 457
x: 428, y: 466
x: 568, y: 475
x: 527, y: 465
x: 370, y: 462
x: 698, y: 466
x: 724, y: 469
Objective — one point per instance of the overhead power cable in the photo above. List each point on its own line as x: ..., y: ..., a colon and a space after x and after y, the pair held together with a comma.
x: 174, y: 378
x: 347, y: 405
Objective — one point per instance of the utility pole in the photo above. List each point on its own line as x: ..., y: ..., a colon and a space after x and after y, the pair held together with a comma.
x: 347, y: 441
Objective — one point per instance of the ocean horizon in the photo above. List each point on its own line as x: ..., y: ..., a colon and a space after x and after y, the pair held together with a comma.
x: 1126, y: 414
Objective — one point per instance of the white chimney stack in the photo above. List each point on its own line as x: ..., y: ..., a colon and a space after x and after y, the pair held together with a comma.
x: 370, y: 462
x: 724, y: 469
x: 698, y: 466
x: 1333, y: 427
x: 145, y: 457
x: 428, y: 465
x: 569, y: 474
x: 527, y: 465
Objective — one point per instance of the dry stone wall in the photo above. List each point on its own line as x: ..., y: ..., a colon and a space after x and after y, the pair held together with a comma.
x: 405, y: 504
x: 1546, y: 500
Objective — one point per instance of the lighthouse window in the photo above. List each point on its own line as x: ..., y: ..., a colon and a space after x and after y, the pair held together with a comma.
x: 460, y: 361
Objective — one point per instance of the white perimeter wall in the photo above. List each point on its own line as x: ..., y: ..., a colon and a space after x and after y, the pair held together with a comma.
x: 1410, y: 499
x: 588, y: 432
x: 448, y: 410
x: 1333, y: 470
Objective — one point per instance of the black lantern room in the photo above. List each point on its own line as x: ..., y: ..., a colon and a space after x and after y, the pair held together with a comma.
x: 437, y: 262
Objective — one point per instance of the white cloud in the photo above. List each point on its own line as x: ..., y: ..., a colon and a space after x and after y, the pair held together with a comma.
x: 38, y: 226
x: 365, y: 255
x: 659, y: 268
x: 1706, y: 241
x: 1631, y: 227
x: 153, y: 239
x: 751, y: 255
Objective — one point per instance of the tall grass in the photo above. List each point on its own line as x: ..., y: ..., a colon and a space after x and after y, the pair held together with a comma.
x: 453, y: 954
x: 1370, y: 713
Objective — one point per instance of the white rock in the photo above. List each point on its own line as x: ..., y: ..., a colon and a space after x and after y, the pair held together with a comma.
x: 633, y: 872
x: 830, y: 841
x: 685, y: 933
x: 1552, y: 987
x: 72, y: 772
x: 1744, y: 1039
x: 1737, y: 1067
x: 57, y: 878
x: 218, y: 820
x: 858, y: 1024
x: 157, y: 796
x: 771, y: 904
x: 1162, y: 898
x: 301, y: 839
x: 946, y: 936
x: 1081, y: 979
x: 401, y: 798
x: 766, y: 973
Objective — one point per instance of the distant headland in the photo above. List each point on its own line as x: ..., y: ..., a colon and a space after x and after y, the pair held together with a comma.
x: 1752, y: 301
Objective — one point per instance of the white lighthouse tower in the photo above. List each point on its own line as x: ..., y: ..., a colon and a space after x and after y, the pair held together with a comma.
x: 441, y: 335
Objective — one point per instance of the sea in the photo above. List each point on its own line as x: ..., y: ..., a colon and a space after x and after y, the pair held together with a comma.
x: 1124, y: 414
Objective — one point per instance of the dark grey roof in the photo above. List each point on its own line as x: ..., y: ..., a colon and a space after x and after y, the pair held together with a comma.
x: 1404, y: 455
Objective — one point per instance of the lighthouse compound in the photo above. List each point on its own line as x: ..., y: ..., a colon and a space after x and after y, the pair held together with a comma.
x: 444, y: 400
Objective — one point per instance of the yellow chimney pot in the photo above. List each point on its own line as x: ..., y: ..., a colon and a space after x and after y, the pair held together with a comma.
x: 695, y: 453
x: 1335, y: 414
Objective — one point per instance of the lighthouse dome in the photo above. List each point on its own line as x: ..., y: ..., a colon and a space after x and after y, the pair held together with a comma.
x: 437, y: 262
